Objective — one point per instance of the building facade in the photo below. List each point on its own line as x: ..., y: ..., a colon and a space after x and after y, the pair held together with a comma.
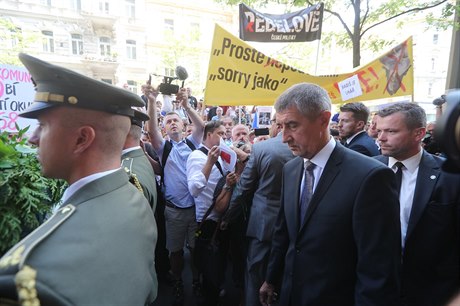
x: 119, y: 42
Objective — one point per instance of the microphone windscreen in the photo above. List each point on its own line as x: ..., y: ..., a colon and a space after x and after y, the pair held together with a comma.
x: 181, y: 73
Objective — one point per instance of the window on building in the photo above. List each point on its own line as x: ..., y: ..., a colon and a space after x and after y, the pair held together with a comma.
x: 104, y: 7
x: 77, y: 44
x: 131, y: 49
x: 169, y: 25
x: 170, y: 72
x: 430, y: 88
x: 76, y: 5
x: 195, y: 32
x: 108, y: 81
x: 15, y: 37
x: 132, y: 86
x: 435, y: 39
x: 48, y: 41
x: 433, y: 64
x: 45, y: 2
x: 130, y: 6
x: 104, y: 45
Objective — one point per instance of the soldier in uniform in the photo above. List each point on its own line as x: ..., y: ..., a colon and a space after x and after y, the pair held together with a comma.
x: 97, y: 248
x: 135, y: 162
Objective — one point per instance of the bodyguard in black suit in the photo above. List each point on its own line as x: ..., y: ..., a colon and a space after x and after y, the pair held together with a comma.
x: 352, y: 122
x: 429, y: 201
x: 336, y: 238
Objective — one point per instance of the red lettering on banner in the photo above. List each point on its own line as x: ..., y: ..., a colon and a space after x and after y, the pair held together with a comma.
x: 250, y: 26
x: 364, y: 81
x: 8, y: 121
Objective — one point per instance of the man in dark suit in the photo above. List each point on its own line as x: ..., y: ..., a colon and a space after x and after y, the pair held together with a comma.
x: 336, y: 239
x: 103, y: 235
x: 429, y: 208
x: 260, y: 189
x: 352, y: 122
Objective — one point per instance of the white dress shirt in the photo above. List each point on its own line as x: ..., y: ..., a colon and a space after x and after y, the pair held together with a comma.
x: 320, y: 161
x: 408, y: 183
x: 78, y: 185
x: 200, y: 188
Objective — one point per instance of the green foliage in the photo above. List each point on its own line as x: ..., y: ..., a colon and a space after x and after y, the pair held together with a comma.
x: 14, y: 40
x: 362, y: 16
x: 25, y: 195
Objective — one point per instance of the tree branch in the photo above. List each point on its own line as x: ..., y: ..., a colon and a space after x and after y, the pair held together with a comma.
x: 342, y: 21
x: 417, y: 9
x: 363, y: 21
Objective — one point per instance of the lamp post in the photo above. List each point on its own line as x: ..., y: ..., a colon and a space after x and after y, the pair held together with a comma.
x: 453, y: 70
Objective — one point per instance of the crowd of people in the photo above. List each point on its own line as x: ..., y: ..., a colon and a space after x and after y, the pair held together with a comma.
x: 345, y: 209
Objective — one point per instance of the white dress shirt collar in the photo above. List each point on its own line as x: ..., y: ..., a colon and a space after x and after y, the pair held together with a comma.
x: 411, y: 163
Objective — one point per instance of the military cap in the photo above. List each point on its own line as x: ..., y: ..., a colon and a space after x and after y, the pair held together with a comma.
x: 139, y: 117
x: 59, y: 86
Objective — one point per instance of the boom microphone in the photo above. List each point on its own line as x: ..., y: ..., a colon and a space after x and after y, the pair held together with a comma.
x: 181, y: 73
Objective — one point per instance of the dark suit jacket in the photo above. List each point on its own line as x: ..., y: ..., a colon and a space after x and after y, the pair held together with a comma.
x: 364, y: 144
x: 430, y: 271
x: 347, y: 252
x: 260, y: 187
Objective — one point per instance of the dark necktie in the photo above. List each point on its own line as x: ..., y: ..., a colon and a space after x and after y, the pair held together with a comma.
x: 307, y: 190
x: 399, y: 165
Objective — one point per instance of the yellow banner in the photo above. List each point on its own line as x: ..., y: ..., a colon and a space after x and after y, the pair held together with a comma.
x: 240, y: 75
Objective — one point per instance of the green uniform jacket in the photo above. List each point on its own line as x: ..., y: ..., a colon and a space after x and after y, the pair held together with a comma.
x: 136, y: 163
x: 97, y: 249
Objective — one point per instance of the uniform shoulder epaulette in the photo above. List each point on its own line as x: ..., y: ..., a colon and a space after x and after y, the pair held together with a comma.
x: 127, y: 164
x: 16, y: 257
x: 14, y: 261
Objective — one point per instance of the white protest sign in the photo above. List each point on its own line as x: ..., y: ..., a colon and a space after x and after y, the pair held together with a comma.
x: 16, y: 94
x: 264, y: 115
x: 350, y: 88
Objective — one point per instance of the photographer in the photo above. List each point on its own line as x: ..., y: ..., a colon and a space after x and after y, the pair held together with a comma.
x: 180, y: 207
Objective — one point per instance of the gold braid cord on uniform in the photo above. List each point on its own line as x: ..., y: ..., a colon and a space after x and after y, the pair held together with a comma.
x: 134, y: 180
x: 25, y: 285
x: 132, y: 176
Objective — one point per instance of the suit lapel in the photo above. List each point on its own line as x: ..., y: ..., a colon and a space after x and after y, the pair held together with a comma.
x: 327, y: 177
x: 293, y: 190
x: 428, y: 174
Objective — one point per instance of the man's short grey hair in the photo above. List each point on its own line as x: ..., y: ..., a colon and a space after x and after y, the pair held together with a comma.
x: 309, y: 99
x: 414, y: 114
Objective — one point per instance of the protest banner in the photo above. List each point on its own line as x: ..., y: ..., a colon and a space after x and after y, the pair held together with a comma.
x: 239, y: 74
x: 16, y: 94
x: 300, y: 26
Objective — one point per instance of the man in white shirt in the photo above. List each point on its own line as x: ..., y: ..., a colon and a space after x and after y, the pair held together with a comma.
x: 204, y: 170
x: 429, y: 208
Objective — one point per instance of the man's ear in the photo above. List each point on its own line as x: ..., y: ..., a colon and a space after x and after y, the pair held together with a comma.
x: 360, y: 125
x: 419, y: 133
x: 325, y: 118
x: 85, y: 136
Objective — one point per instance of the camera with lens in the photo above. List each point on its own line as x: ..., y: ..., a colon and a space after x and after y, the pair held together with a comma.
x: 447, y: 132
x: 166, y: 87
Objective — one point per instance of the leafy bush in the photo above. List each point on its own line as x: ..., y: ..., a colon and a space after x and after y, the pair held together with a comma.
x: 25, y: 195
